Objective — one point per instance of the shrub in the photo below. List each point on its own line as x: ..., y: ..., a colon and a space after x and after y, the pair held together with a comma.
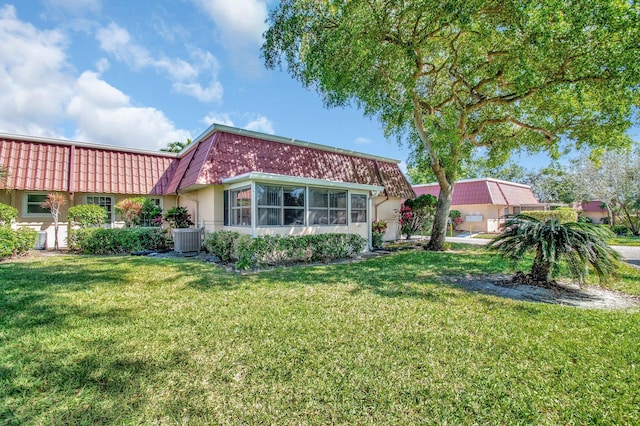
x: 178, y: 217
x: 85, y: 215
x: 116, y: 241
x: 221, y: 243
x: 379, y: 226
x: 621, y: 230
x: 7, y: 214
x: 416, y: 213
x: 130, y: 209
x: 16, y: 242
x: 376, y: 239
x: 563, y: 215
x: 280, y: 250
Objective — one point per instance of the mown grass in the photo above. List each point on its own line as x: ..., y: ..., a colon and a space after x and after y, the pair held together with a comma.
x: 87, y: 340
x: 625, y: 241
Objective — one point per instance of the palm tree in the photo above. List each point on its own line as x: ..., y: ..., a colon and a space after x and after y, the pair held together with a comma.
x: 176, y: 146
x: 580, y: 245
x: 55, y: 201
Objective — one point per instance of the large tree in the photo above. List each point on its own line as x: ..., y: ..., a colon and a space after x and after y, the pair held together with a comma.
x: 452, y: 76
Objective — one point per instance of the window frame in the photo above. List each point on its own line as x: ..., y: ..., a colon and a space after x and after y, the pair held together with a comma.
x: 111, y: 213
x: 364, y: 209
x: 281, y: 207
x: 26, y: 204
x: 233, y: 207
x: 330, y: 211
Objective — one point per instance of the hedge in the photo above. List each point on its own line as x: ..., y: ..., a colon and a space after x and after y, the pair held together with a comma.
x: 7, y: 214
x: 16, y: 242
x: 564, y: 215
x: 281, y: 250
x: 116, y: 241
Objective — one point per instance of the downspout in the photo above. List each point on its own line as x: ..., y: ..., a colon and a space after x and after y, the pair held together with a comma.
x: 375, y: 162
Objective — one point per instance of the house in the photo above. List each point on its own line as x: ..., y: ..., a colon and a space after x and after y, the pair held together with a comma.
x: 595, y: 210
x: 483, y: 203
x: 228, y: 178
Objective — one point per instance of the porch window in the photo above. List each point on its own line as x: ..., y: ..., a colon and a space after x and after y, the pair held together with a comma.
x: 33, y: 205
x: 358, y: 208
x: 278, y: 205
x: 241, y: 207
x: 104, y: 202
x: 327, y: 207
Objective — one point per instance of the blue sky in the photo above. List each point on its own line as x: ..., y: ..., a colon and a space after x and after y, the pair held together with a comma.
x: 145, y: 73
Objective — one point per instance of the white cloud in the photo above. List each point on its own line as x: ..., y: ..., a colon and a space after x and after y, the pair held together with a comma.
x: 218, y: 118
x: 74, y: 6
x: 34, y: 85
x: 362, y: 141
x: 104, y: 114
x: 239, y: 22
x: 403, y: 167
x: 261, y: 124
x: 117, y: 41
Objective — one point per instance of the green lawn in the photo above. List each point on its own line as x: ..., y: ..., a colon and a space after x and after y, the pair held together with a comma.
x: 89, y: 340
x: 625, y: 241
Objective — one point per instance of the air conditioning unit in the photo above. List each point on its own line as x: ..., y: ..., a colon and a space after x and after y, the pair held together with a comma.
x: 187, y: 240
x: 41, y: 241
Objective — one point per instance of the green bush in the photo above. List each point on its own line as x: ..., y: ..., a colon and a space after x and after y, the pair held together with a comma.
x: 87, y: 215
x: 621, y: 230
x: 16, y: 242
x: 563, y: 215
x: 281, y: 250
x: 376, y: 239
x: 116, y: 241
x: 7, y: 214
x: 221, y: 243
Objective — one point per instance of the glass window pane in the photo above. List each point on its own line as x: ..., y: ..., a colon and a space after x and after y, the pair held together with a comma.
x: 358, y: 216
x: 294, y: 216
x: 318, y: 198
x: 358, y: 201
x: 37, y: 209
x: 268, y: 216
x: 338, y: 200
x: 338, y: 217
x: 36, y: 198
x: 268, y: 195
x: 318, y: 217
x: 294, y: 197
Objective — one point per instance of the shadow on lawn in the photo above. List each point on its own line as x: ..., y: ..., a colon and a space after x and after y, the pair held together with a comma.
x: 407, y: 274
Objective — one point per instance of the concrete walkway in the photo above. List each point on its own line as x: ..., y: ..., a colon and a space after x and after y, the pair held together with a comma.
x: 630, y: 254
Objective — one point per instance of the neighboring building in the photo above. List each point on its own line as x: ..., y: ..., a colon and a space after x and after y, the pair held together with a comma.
x: 483, y: 203
x: 595, y: 210
x: 228, y: 178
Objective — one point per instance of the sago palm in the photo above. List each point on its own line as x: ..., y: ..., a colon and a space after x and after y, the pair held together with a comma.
x: 579, y: 245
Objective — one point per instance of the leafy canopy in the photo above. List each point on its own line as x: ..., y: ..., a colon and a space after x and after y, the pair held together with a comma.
x: 452, y: 76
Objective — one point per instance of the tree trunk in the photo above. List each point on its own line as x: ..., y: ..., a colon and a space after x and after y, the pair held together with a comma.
x: 540, y: 270
x: 439, y: 229
x: 55, y: 240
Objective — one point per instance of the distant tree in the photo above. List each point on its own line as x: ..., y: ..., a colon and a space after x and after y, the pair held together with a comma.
x: 553, y: 184
x: 54, y: 202
x: 453, y: 77
x: 475, y: 168
x: 578, y: 244
x: 612, y: 178
x: 176, y: 146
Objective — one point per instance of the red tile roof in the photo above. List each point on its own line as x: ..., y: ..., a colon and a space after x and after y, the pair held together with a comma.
x: 594, y: 206
x: 228, y: 153
x: 484, y: 191
x: 42, y: 164
x: 53, y: 165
